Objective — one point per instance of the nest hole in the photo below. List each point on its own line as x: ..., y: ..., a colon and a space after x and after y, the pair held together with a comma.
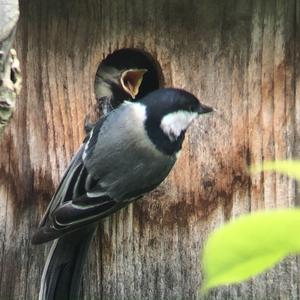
x: 109, y: 95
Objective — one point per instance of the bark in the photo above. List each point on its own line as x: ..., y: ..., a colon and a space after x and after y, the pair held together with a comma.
x: 10, y: 79
x: 241, y: 57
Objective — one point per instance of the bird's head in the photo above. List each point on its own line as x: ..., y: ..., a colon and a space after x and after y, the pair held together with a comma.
x: 118, y: 84
x: 169, y: 112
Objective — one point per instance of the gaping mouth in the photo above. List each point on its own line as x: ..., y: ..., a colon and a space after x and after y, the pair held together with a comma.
x: 131, y: 81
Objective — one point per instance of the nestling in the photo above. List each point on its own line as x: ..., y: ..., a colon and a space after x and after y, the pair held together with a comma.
x: 113, y: 85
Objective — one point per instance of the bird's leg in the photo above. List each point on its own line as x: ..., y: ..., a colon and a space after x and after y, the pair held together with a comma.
x: 88, y: 126
x: 105, y: 104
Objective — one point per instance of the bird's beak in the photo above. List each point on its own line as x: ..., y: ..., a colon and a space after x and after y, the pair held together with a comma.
x: 203, y: 109
x: 131, y: 81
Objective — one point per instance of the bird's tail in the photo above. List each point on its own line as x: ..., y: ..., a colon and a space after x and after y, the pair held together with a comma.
x: 63, y: 269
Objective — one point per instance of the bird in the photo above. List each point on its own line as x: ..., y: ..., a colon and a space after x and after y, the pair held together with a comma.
x: 114, y: 85
x: 127, y: 154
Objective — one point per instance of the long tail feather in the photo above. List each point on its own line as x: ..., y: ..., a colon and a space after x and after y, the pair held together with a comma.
x: 63, y: 269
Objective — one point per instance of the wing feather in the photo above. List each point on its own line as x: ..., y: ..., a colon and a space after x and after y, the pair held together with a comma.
x: 96, y: 183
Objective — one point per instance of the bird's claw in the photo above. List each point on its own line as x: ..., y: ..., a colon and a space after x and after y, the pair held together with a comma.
x: 88, y: 126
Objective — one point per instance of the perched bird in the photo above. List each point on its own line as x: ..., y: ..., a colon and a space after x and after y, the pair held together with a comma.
x: 129, y: 152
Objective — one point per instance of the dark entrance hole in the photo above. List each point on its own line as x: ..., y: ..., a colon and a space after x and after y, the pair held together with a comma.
x: 107, y: 93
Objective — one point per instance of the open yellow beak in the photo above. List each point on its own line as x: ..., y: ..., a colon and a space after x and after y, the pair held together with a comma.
x: 131, y: 81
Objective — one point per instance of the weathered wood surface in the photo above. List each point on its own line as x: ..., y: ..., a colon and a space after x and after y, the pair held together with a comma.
x: 9, y: 65
x: 242, y: 57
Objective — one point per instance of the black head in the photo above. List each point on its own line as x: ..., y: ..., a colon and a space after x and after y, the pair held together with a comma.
x: 169, y: 113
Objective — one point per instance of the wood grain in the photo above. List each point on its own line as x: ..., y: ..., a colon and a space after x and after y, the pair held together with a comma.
x: 242, y: 57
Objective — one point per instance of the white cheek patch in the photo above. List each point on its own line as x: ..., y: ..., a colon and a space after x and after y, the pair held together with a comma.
x: 174, y: 123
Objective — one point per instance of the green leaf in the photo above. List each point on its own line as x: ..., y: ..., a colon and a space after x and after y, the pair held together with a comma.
x: 287, y: 167
x: 249, y: 245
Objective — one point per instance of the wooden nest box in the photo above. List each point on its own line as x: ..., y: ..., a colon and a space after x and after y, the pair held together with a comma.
x: 241, y: 57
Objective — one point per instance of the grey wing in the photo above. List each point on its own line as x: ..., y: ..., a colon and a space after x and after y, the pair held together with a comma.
x: 123, y: 158
x: 78, y: 199
x: 99, y: 181
x: 74, y: 181
x: 61, y: 193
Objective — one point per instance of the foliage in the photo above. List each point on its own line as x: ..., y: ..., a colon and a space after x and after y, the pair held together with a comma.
x: 287, y: 167
x: 252, y: 243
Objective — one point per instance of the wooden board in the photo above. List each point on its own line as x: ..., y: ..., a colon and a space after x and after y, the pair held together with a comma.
x: 242, y: 57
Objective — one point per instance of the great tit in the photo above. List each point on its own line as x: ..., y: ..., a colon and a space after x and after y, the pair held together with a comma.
x: 128, y: 153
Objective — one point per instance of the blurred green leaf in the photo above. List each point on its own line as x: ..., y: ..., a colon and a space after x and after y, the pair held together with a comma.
x: 286, y: 167
x: 249, y: 245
